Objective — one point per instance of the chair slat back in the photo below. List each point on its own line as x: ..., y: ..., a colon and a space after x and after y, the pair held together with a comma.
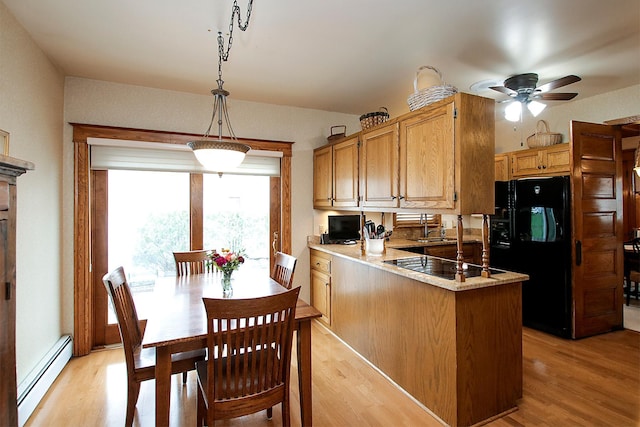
x: 191, y: 262
x: 120, y: 293
x: 283, y: 269
x: 256, y: 336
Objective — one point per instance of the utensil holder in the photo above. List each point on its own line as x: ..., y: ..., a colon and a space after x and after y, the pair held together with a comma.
x: 374, y: 247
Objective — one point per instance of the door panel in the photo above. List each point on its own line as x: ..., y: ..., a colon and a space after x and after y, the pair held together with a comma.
x: 598, y: 228
x: 379, y: 167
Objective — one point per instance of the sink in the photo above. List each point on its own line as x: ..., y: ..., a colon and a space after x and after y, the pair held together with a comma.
x: 435, y: 239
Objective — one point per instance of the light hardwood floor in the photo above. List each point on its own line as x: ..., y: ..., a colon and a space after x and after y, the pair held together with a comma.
x: 589, y: 382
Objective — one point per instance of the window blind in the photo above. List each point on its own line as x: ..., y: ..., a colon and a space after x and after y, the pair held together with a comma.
x: 154, y: 156
x: 413, y: 219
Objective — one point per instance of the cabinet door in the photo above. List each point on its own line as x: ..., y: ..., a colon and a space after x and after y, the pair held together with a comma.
x: 427, y: 160
x: 321, y: 294
x: 345, y: 173
x: 502, y: 167
x: 525, y: 162
x: 379, y: 167
x: 322, y: 177
x: 557, y: 159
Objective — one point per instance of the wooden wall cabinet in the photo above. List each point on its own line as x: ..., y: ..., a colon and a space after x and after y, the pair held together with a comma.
x: 444, y: 152
x: 502, y: 167
x: 379, y: 167
x: 432, y: 159
x: 335, y: 174
x: 322, y: 177
x: 427, y: 154
x: 552, y: 160
x: 10, y: 169
x: 321, y: 284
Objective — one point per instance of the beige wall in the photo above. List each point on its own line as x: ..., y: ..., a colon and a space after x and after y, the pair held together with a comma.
x: 97, y: 102
x: 596, y: 109
x: 31, y: 102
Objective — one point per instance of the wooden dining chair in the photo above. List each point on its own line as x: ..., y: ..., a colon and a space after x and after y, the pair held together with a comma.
x: 191, y: 262
x: 283, y: 269
x: 632, y: 269
x: 140, y: 361
x: 253, y: 371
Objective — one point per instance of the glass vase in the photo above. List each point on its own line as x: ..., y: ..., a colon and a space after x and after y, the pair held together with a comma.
x: 227, y: 288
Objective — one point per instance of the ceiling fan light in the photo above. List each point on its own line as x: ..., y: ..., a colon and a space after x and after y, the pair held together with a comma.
x: 536, y: 107
x: 513, y: 111
x: 219, y: 155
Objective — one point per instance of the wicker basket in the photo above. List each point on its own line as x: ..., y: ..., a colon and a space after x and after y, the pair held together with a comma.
x: 373, y: 119
x: 421, y: 97
x: 542, y: 137
x: 337, y: 135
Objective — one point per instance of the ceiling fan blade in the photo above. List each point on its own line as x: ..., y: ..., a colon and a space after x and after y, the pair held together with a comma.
x: 503, y: 90
x: 567, y: 80
x: 556, y: 96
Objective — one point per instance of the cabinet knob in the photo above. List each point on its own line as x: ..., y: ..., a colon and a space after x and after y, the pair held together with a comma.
x: 544, y: 166
x: 539, y: 167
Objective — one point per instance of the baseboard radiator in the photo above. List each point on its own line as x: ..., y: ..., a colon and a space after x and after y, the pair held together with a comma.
x: 33, y: 388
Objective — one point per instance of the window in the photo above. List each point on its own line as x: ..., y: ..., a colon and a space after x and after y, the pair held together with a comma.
x: 415, y: 220
x: 148, y: 219
x: 236, y: 216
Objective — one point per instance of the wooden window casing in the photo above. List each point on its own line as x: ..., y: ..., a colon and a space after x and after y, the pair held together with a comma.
x: 83, y: 289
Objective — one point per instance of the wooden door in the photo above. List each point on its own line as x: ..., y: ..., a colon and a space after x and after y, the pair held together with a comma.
x: 597, y: 228
x: 379, y: 167
x: 322, y: 177
x: 345, y: 173
x: 427, y: 147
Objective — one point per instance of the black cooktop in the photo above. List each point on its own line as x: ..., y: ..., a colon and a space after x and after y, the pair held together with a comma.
x: 438, y: 267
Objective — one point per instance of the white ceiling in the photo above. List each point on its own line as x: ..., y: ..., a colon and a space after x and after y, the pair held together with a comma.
x: 349, y: 56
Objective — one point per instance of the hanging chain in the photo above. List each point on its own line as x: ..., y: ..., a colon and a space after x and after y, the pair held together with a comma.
x: 222, y: 55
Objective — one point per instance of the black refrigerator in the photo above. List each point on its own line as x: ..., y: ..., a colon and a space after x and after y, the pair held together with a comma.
x: 531, y: 234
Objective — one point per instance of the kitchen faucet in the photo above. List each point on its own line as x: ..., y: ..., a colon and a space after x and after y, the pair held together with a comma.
x: 423, y: 220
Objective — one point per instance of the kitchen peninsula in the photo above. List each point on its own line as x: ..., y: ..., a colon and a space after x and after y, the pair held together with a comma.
x: 454, y: 346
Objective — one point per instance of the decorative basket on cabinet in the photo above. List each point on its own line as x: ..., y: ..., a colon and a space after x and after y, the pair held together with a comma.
x: 422, y: 97
x: 373, y: 119
x: 542, y: 137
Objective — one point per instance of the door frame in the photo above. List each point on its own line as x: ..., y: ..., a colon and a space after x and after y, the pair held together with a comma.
x: 83, y: 290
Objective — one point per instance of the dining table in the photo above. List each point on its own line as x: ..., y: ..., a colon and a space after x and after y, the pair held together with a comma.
x: 178, y: 322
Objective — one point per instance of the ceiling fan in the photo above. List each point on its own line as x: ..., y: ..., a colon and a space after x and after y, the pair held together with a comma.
x: 522, y: 88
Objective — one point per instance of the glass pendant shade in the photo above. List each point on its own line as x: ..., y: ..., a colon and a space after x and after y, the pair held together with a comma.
x: 218, y: 155
x: 536, y: 107
x: 513, y: 111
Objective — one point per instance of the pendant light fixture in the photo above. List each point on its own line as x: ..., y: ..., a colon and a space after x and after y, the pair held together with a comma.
x: 219, y: 153
x: 636, y: 163
x: 513, y: 112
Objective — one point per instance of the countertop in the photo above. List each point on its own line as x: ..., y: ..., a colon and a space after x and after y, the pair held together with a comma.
x: 410, y: 243
x: 393, y: 251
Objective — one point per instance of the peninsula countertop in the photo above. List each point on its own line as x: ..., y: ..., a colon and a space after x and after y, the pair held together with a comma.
x: 354, y: 253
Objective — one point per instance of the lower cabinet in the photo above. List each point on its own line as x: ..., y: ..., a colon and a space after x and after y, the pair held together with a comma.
x: 321, y: 284
x: 471, y: 252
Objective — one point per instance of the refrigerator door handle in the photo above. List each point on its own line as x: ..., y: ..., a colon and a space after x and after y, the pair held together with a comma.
x: 578, y: 252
